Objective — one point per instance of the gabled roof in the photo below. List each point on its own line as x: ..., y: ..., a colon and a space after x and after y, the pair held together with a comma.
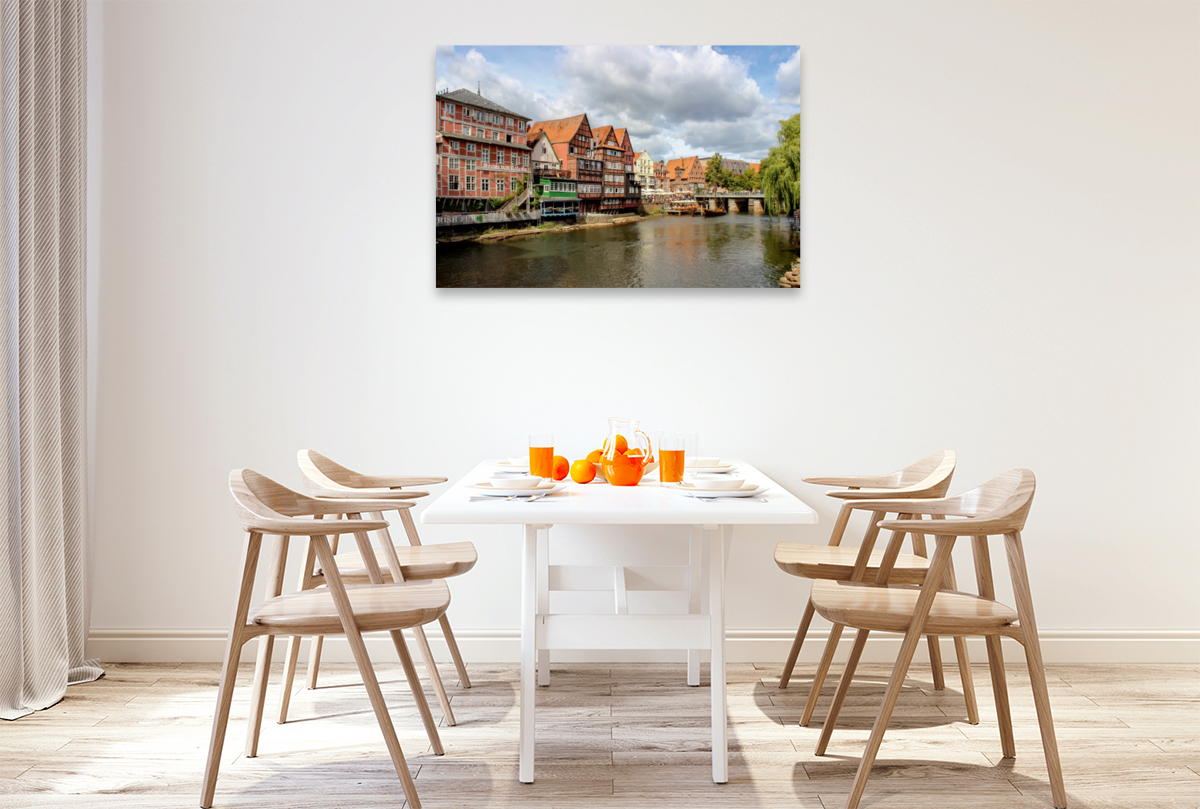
x: 562, y: 150
x: 638, y: 155
x: 465, y: 96
x: 622, y: 135
x: 559, y: 130
x: 603, y: 134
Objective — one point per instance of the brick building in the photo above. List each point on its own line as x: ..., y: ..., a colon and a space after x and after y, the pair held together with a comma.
x: 573, y: 143
x: 483, y: 150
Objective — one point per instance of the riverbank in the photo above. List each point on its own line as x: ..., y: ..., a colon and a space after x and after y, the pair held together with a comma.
x: 501, y: 235
x: 791, y: 278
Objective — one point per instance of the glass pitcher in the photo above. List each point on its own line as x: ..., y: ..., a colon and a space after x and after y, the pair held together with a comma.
x: 628, y: 453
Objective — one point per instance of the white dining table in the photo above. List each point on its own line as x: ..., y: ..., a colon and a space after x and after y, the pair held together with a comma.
x: 597, y: 503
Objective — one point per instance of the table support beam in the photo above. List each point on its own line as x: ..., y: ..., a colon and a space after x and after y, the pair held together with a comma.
x: 716, y: 607
x: 695, y: 569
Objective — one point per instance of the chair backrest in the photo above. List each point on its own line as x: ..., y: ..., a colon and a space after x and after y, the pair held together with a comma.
x: 321, y: 472
x: 932, y: 470
x: 260, y: 500
x: 1003, y: 501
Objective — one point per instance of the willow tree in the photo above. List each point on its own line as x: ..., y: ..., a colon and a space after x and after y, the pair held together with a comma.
x: 780, y: 170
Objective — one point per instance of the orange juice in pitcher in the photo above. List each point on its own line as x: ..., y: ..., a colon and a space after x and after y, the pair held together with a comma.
x: 627, y: 453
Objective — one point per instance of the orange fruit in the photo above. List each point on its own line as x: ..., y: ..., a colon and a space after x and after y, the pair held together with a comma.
x: 622, y: 444
x: 634, y: 451
x: 583, y: 471
x: 595, y: 455
x: 560, y: 466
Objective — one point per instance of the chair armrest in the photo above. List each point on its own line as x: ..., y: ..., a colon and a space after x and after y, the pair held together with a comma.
x: 949, y: 528
x: 348, y: 505
x: 309, y: 528
x: 397, y: 481
x: 915, y: 505
x: 855, y: 481
x: 371, y: 494
x: 878, y: 494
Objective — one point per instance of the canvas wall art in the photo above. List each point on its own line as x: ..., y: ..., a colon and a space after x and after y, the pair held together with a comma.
x: 618, y: 166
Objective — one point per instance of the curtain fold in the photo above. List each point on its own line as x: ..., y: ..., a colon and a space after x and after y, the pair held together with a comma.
x: 43, y: 494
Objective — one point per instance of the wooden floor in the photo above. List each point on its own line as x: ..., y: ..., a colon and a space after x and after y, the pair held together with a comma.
x: 610, y: 736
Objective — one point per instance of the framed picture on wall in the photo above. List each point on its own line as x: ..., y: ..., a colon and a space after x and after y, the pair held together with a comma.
x: 618, y: 166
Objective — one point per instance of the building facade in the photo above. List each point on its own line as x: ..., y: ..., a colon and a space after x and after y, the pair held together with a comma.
x: 643, y: 167
x: 483, y: 153
x: 573, y: 143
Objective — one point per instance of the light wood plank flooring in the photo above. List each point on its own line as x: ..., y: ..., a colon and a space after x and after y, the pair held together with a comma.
x: 610, y: 736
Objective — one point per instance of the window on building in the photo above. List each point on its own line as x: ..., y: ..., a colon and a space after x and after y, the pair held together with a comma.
x: 508, y: 138
x: 486, y: 156
x: 470, y: 165
x: 520, y: 126
x: 570, y: 149
x: 454, y: 162
x: 483, y: 184
x: 471, y: 147
x: 453, y: 182
x: 525, y: 161
x: 508, y: 121
x: 513, y: 158
x: 449, y: 109
x: 499, y: 185
x: 470, y: 183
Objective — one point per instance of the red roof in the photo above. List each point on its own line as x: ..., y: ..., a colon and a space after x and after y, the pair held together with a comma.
x: 560, y: 130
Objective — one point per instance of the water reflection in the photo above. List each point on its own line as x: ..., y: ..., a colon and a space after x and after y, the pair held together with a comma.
x: 737, y: 250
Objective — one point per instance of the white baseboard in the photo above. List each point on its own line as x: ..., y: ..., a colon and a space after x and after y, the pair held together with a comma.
x: 742, y: 646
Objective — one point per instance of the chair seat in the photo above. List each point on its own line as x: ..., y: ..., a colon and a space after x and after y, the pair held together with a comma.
x: 889, y: 608
x: 417, y: 562
x: 376, y: 607
x: 837, y: 563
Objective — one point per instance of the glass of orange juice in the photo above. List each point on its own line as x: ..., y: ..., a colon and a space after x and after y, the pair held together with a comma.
x: 541, y: 455
x: 670, y: 457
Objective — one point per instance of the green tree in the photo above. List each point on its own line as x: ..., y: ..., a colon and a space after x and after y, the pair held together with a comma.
x: 781, y: 170
x: 715, y: 173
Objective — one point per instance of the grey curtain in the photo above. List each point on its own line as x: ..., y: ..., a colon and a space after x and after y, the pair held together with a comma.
x: 43, y: 496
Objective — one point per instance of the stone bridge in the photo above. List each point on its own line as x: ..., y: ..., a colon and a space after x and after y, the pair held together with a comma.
x: 732, y: 201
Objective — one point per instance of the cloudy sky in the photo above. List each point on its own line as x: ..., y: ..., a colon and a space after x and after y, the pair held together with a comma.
x: 675, y: 101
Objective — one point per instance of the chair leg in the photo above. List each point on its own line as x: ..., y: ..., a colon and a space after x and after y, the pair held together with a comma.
x: 935, y: 662
x: 464, y: 679
x: 835, y: 634
x: 220, y: 722
x: 435, y: 677
x: 414, y: 684
x: 839, y: 697
x: 1037, y: 669
x: 233, y: 651
x: 289, y: 676
x: 262, y: 666
x: 367, y: 671
x: 1008, y: 742
x: 790, y: 663
x: 258, y: 694
x: 912, y: 638
x: 968, y: 682
x: 314, y: 661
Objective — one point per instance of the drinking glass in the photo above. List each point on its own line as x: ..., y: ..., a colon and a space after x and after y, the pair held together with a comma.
x: 541, y: 455
x: 671, y: 455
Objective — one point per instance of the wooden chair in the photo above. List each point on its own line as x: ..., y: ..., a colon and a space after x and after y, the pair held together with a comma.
x: 998, y: 507
x: 928, y: 477
x: 264, y: 507
x: 406, y: 563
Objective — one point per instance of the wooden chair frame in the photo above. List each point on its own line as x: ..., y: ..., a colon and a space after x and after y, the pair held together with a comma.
x: 928, y: 477
x: 997, y: 508
x: 268, y: 509
x: 326, y: 478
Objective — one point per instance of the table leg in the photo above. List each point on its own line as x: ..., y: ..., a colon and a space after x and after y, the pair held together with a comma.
x: 528, y: 650
x: 716, y: 608
x: 543, y: 599
x: 695, y: 563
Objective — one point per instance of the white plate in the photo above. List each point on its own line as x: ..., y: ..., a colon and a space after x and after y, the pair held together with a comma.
x: 497, y: 488
x: 747, y: 490
x: 708, y: 465
x: 709, y: 470
x: 509, y: 466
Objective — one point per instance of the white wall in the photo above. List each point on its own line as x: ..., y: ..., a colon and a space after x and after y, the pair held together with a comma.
x: 1001, y: 255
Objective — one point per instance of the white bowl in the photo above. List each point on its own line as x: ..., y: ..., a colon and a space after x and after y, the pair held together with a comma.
x: 700, y: 463
x: 723, y: 483
x: 518, y: 482
x: 519, y: 461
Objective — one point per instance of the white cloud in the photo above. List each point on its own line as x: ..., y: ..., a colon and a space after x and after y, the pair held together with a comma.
x: 471, y: 71
x: 787, y: 80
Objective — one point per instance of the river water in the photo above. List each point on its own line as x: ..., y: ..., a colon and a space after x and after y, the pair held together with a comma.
x: 735, y: 250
